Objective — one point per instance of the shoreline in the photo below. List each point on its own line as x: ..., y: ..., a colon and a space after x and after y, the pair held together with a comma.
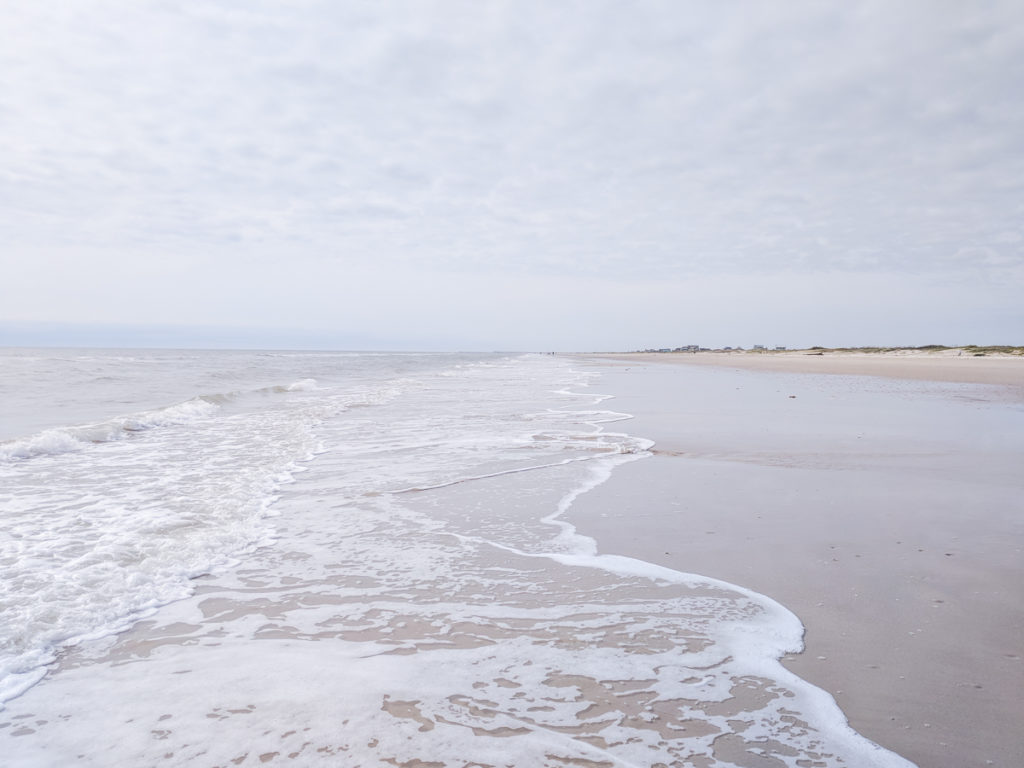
x: 844, y: 499
x: 397, y: 620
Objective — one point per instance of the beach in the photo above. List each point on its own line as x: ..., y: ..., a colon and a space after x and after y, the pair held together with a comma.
x: 958, y: 365
x: 363, y: 559
x: 876, y: 496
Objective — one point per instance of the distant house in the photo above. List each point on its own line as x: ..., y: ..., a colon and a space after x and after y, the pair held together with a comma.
x: 760, y: 348
x: 780, y: 349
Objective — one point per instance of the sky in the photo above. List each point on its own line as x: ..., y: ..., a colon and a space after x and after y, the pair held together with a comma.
x: 511, y: 175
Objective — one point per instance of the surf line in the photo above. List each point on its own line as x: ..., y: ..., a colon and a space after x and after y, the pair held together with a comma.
x: 598, y: 432
x: 457, y: 481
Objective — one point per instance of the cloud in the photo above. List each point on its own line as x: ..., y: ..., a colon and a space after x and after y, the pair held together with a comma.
x: 627, y: 144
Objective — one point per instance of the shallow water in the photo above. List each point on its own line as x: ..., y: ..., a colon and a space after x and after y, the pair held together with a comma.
x: 370, y: 568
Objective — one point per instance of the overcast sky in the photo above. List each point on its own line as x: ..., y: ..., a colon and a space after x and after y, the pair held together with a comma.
x: 521, y: 175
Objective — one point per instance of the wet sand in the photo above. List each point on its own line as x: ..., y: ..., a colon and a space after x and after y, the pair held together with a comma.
x: 885, y: 512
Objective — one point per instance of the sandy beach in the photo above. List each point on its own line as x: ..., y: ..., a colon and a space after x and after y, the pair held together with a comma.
x: 881, y: 503
x: 504, y: 568
x: 954, y: 365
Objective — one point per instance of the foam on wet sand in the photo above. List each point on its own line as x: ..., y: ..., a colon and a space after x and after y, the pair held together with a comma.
x: 421, y: 599
x: 880, y: 502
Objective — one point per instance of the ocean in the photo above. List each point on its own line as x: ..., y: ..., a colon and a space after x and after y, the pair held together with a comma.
x: 359, y: 559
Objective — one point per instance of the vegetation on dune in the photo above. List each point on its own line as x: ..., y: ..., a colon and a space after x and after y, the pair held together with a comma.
x: 970, y: 349
x: 973, y: 349
x: 997, y: 350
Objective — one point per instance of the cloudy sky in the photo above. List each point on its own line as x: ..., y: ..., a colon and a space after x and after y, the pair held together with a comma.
x: 512, y: 175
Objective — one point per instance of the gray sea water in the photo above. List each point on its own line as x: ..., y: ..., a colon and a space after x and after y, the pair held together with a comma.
x: 304, y: 558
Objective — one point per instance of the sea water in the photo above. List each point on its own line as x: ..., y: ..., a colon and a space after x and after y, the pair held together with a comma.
x: 352, y: 559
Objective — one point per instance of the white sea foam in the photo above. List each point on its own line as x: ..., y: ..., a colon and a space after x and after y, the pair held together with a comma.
x: 424, y: 601
x: 304, y: 385
x: 104, y: 522
x: 74, y: 438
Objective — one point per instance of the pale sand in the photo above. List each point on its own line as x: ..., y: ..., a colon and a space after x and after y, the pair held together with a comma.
x: 1005, y: 370
x: 888, y: 515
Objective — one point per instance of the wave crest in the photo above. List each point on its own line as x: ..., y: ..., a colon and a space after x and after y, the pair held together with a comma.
x: 69, y: 439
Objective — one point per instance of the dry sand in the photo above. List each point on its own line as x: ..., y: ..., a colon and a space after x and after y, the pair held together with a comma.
x: 950, y: 365
x: 887, y: 514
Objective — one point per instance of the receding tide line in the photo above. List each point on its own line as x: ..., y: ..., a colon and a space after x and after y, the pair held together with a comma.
x: 599, y: 432
x: 764, y: 658
x: 561, y: 463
